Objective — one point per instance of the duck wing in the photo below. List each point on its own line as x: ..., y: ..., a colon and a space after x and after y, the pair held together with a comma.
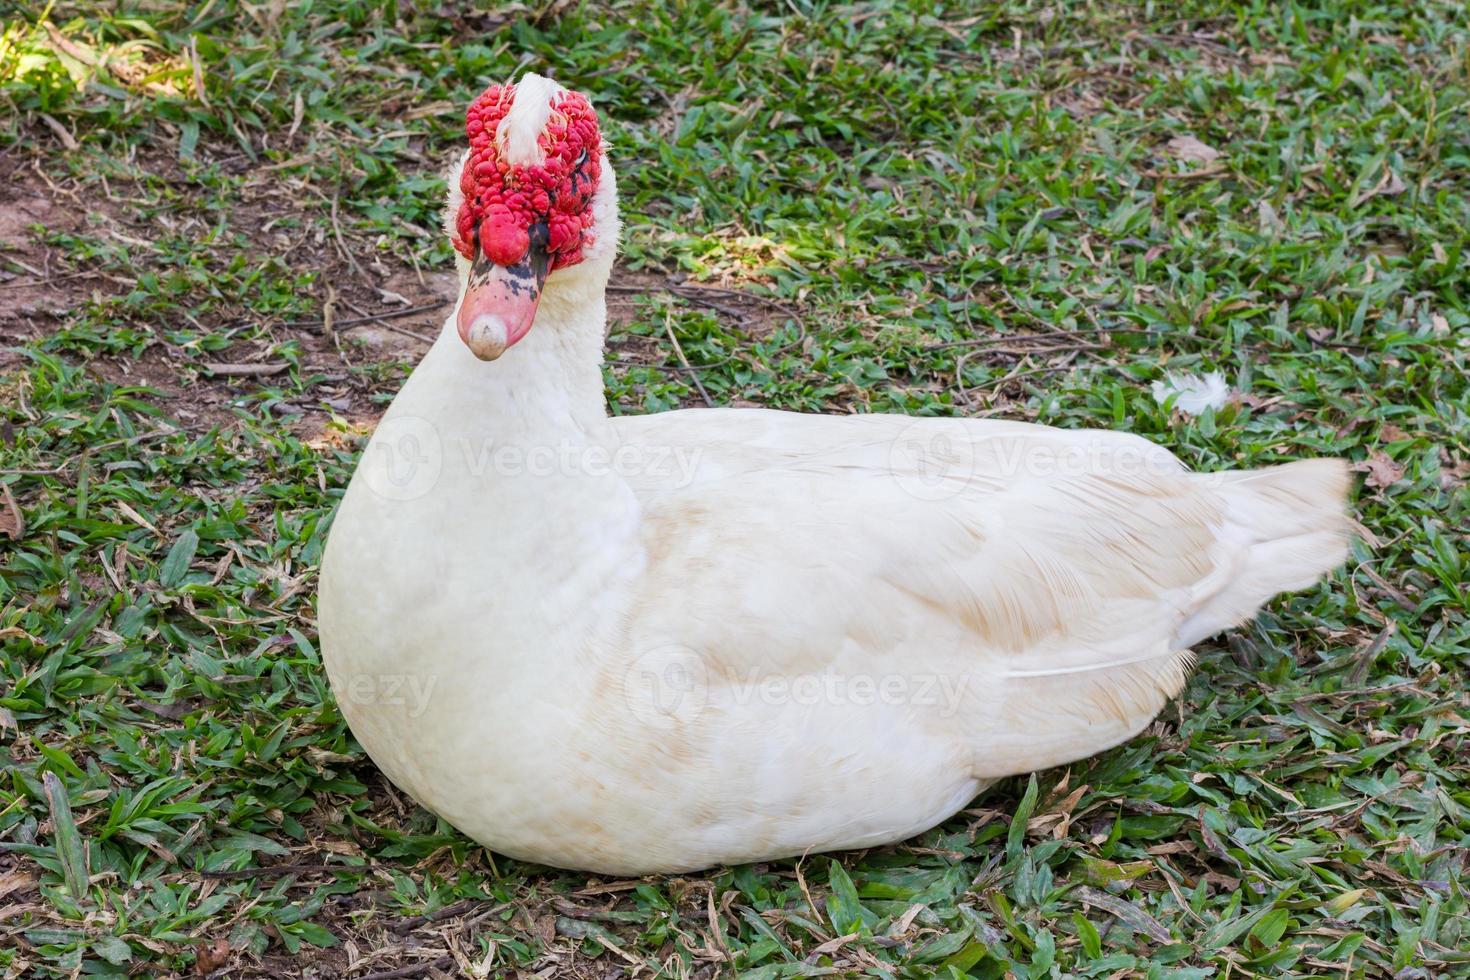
x: 1063, y: 575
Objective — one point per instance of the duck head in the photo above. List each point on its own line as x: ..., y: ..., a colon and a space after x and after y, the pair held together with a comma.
x: 532, y: 210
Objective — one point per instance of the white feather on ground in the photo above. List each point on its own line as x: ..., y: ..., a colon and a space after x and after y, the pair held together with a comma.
x: 1195, y: 392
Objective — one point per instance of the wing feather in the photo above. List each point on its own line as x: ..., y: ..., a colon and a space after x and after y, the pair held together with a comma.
x: 1063, y: 593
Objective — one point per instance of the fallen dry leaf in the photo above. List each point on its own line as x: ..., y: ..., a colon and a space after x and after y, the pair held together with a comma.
x: 1388, y: 185
x: 1382, y: 471
x: 1269, y: 220
x: 12, y: 521
x: 544, y: 927
x: 1452, y: 474
x: 211, y: 957
x: 1192, y: 150
x: 16, y: 881
x: 833, y: 945
x: 1257, y: 402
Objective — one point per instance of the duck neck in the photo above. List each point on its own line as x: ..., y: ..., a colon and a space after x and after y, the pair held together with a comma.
x: 548, y: 384
x: 519, y: 474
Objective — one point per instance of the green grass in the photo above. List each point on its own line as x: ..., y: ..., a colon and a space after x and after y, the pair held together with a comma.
x: 940, y: 211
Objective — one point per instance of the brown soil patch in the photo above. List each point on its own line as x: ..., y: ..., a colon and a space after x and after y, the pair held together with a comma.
x: 383, y: 311
x: 33, y: 293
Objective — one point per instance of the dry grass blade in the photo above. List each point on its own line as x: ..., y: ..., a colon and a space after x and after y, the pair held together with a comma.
x: 246, y: 370
x: 12, y: 520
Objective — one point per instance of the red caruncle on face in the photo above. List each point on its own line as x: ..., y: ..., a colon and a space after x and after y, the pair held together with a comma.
x: 505, y: 206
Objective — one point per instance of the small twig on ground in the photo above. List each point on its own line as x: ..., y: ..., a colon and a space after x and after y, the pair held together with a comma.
x: 400, y: 330
x: 45, y: 282
x: 693, y: 375
x: 1403, y: 601
x: 365, y: 318
x: 414, y: 970
x: 353, y: 321
x: 959, y: 378
x: 405, y: 926
x: 27, y: 267
x: 342, y: 242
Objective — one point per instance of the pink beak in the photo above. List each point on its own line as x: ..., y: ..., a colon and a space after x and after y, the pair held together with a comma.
x: 499, y: 303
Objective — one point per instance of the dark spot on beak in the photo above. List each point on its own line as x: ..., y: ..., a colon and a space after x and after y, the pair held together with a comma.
x: 526, y: 276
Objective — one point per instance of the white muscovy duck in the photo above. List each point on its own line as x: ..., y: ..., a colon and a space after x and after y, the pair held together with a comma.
x: 713, y: 636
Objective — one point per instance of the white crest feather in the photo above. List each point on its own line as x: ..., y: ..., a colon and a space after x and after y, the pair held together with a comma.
x: 519, y: 131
